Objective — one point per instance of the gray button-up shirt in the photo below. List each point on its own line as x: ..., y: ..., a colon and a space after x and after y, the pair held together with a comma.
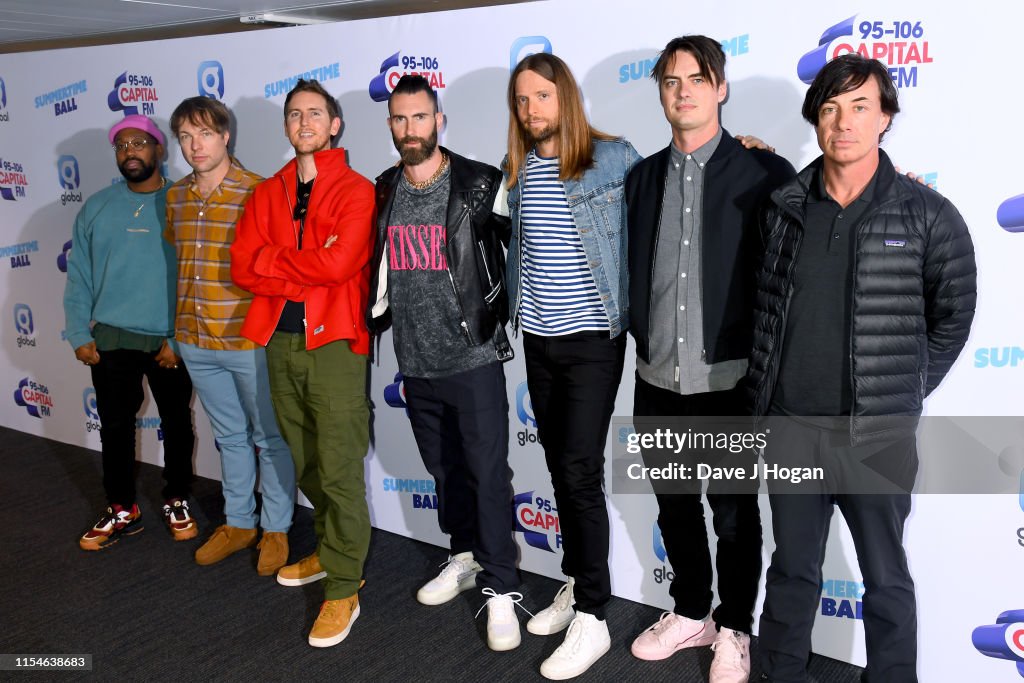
x: 677, y: 322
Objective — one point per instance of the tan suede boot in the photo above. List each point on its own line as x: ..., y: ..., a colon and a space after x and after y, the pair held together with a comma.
x: 225, y: 541
x: 273, y: 552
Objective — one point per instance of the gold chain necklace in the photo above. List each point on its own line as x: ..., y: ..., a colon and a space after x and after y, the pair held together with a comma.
x: 424, y: 184
x: 163, y: 184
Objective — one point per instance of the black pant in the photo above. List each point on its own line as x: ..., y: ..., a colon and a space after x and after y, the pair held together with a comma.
x: 801, y: 523
x: 573, y: 380
x: 461, y: 427
x: 117, y: 379
x: 736, y: 519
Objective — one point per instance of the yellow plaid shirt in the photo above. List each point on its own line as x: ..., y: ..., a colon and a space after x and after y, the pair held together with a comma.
x: 211, y: 308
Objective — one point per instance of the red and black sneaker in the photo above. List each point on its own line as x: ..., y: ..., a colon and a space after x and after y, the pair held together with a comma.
x: 114, y: 523
x: 179, y: 521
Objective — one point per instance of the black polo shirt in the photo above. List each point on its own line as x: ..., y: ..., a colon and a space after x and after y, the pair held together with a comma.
x: 815, y: 375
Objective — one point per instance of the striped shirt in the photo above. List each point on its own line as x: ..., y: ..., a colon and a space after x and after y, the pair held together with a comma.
x: 211, y: 308
x: 559, y: 295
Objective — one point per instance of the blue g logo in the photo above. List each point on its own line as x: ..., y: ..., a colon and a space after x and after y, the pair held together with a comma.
x: 23, y: 319
x: 67, y: 172
x: 659, y: 545
x: 524, y: 406
x: 89, y: 404
x: 526, y: 46
x: 3, y: 94
x: 210, y: 76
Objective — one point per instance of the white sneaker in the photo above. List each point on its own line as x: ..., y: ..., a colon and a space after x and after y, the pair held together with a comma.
x: 502, y: 622
x: 557, y: 616
x: 585, y: 642
x: 459, y: 574
x: 732, y: 657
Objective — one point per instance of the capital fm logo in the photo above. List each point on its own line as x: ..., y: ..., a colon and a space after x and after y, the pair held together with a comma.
x: 524, y: 410
x: 537, y: 520
x: 133, y: 93
x: 92, y: 413
x: 394, y: 393
x: 398, y: 65
x: 210, y: 79
x: 525, y: 46
x: 34, y: 398
x: 13, y: 180
x: 24, y: 325
x: 62, y: 260
x: 898, y: 41
x: 1004, y: 639
x: 1010, y: 214
x: 70, y: 179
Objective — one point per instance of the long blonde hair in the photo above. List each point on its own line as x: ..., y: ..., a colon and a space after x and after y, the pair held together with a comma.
x: 575, y: 134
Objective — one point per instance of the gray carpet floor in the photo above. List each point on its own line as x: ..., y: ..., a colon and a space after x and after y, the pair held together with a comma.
x: 145, y: 611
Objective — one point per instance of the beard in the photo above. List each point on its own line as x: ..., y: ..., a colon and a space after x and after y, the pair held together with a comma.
x: 543, y: 135
x: 414, y: 156
x: 140, y: 174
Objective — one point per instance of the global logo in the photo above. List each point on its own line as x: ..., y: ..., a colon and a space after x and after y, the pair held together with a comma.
x: 34, y: 398
x: 524, y: 409
x: 1010, y: 214
x: 394, y: 393
x: 842, y: 599
x: 897, y: 43
x: 662, y: 573
x: 69, y: 178
x: 398, y: 65
x: 537, y: 520
x: 62, y: 260
x: 525, y: 46
x: 92, y: 413
x: 1004, y: 639
x: 210, y: 77
x: 24, y: 325
x: 133, y: 94
x: 4, y: 115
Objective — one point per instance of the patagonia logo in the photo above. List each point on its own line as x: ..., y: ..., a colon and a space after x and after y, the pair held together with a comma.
x: 318, y: 330
x: 895, y: 243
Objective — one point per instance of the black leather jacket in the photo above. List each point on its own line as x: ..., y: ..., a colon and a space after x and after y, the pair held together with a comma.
x: 914, y: 292
x: 473, y: 249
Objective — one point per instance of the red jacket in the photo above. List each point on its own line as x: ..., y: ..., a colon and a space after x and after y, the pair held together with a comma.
x: 334, y: 282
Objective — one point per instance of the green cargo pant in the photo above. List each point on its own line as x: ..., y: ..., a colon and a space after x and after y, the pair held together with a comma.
x: 322, y: 410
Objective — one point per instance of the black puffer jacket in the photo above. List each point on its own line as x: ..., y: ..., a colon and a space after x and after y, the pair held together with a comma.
x: 474, y: 250
x: 914, y: 294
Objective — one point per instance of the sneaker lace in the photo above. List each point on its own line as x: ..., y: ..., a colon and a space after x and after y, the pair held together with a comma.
x: 503, y: 608
x: 451, y: 569
x: 562, y: 598
x: 573, y: 639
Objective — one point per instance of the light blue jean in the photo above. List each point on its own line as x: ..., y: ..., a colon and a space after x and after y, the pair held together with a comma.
x: 234, y: 389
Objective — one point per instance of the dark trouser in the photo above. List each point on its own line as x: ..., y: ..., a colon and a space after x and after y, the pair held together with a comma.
x: 461, y: 427
x: 573, y: 380
x: 736, y: 519
x: 793, y: 588
x: 320, y: 401
x: 117, y: 379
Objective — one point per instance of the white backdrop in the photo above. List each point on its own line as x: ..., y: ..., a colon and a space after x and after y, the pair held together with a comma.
x: 961, y: 110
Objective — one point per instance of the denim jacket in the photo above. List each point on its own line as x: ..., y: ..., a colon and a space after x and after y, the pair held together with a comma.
x: 597, y: 203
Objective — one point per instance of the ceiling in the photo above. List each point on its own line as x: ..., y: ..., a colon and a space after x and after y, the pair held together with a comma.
x: 27, y: 25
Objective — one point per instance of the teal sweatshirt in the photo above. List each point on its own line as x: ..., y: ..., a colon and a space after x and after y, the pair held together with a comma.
x: 121, y: 270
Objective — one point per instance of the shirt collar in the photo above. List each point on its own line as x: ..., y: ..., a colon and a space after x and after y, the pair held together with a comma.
x: 701, y: 155
x: 819, y: 193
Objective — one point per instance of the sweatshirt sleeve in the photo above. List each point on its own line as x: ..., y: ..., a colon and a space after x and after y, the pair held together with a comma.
x: 78, y: 290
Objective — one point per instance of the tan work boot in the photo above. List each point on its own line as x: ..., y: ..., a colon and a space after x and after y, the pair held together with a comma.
x: 335, y: 621
x: 306, y: 570
x: 225, y: 541
x: 273, y: 552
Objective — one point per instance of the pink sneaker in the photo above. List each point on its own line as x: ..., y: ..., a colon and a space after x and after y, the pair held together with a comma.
x: 670, y: 634
x: 732, y: 657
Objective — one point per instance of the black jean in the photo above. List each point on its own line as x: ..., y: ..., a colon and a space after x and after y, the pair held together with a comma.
x: 461, y: 427
x: 800, y: 523
x: 117, y: 379
x: 573, y: 380
x: 735, y: 516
